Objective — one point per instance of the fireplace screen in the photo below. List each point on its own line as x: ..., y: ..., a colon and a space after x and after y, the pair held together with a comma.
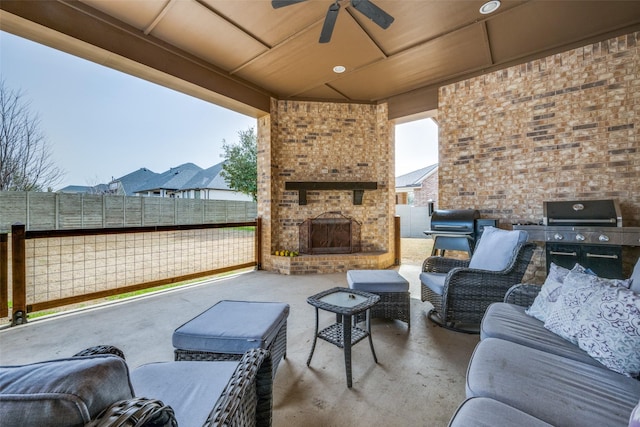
x: 330, y: 233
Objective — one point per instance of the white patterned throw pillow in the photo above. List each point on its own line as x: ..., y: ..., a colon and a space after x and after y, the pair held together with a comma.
x: 550, y: 291
x: 602, y: 317
x: 609, y: 329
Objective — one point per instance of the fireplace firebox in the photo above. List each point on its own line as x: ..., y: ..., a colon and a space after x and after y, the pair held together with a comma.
x: 330, y: 233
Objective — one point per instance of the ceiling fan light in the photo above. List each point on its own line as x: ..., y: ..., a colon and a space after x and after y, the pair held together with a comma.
x: 339, y: 69
x: 489, y: 7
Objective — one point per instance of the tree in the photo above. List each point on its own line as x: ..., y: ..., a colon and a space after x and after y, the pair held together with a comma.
x: 240, y: 169
x: 25, y: 155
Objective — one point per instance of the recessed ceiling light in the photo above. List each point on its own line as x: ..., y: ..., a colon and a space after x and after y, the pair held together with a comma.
x: 490, y: 7
x: 339, y: 69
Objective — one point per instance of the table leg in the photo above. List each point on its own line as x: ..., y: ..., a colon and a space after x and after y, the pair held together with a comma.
x: 368, y: 321
x: 346, y: 335
x: 315, y: 338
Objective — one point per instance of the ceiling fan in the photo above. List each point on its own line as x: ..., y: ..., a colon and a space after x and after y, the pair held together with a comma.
x: 368, y: 9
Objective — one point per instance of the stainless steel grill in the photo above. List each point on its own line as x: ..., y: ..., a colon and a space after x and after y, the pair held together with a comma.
x: 588, y: 232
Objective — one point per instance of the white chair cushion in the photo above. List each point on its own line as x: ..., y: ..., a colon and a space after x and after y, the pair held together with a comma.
x: 496, y: 248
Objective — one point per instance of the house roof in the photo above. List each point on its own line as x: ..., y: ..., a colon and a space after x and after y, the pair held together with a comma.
x: 415, y: 178
x: 242, y: 54
x: 85, y: 189
x: 174, y: 179
x: 76, y: 189
x: 134, y: 180
x: 207, y: 178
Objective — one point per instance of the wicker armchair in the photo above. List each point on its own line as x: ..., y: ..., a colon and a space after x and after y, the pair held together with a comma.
x: 467, y: 292
x: 230, y: 393
x: 522, y: 294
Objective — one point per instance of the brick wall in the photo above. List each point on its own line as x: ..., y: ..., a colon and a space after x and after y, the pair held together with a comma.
x: 427, y: 191
x: 312, y: 141
x: 560, y: 128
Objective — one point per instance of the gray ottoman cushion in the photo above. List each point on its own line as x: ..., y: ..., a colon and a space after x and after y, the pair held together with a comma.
x: 190, y: 388
x: 557, y: 390
x: 511, y: 323
x: 232, y: 327
x: 65, y: 392
x: 377, y: 281
x: 485, y: 412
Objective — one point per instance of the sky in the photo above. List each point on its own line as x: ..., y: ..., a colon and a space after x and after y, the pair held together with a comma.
x: 101, y: 123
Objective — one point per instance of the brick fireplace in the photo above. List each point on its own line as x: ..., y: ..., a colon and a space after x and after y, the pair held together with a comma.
x: 329, y: 233
x: 315, y: 158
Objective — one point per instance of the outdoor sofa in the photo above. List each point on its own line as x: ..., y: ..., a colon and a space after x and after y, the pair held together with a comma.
x: 96, y: 388
x: 528, y: 372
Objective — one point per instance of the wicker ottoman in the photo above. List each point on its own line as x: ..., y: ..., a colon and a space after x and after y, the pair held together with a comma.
x: 230, y: 328
x: 392, y: 288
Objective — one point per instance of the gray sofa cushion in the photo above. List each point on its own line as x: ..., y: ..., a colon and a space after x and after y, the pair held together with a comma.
x: 190, y: 388
x: 557, y: 390
x: 65, y: 392
x: 511, y: 323
x: 485, y: 412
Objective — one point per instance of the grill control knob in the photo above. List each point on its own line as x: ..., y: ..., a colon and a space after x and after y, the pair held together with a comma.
x: 558, y: 236
x: 603, y: 238
x: 580, y: 237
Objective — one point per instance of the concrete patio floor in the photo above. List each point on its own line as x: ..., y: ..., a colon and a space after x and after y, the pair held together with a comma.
x: 419, y: 380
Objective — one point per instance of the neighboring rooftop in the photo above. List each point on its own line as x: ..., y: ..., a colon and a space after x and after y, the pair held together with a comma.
x: 415, y: 178
x: 174, y: 179
x: 208, y: 178
x: 187, y: 176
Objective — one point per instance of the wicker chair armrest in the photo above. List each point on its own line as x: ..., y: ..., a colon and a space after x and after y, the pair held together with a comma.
x: 466, y: 281
x: 101, y: 349
x: 522, y: 294
x: 134, y: 412
x: 438, y: 264
x: 253, y: 375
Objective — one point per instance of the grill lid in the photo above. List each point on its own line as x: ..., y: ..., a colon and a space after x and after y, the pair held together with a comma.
x: 454, y: 220
x: 603, y: 213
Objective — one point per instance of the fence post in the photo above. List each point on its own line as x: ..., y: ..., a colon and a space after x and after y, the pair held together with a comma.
x: 19, y: 273
x: 258, y: 243
x: 396, y: 240
x: 4, y: 275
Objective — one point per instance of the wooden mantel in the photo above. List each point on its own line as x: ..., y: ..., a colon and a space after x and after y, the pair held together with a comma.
x: 357, y: 187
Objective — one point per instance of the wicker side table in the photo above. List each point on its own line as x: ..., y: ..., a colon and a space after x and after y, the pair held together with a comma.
x: 346, y: 303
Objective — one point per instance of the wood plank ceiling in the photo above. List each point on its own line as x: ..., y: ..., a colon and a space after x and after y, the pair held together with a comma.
x: 253, y: 51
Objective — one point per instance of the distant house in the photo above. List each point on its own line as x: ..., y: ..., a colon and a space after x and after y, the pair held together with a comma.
x: 417, y: 188
x: 127, y: 184
x: 209, y: 184
x: 169, y: 183
x: 187, y: 181
x: 85, y: 189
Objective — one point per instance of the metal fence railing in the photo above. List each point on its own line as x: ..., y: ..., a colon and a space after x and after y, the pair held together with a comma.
x: 61, y: 267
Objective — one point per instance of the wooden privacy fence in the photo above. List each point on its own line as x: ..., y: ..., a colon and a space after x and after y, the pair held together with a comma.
x: 62, y: 211
x: 54, y: 268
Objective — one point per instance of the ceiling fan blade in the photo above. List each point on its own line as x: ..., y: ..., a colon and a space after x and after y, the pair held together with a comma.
x: 373, y: 12
x: 329, y: 23
x: 276, y: 4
